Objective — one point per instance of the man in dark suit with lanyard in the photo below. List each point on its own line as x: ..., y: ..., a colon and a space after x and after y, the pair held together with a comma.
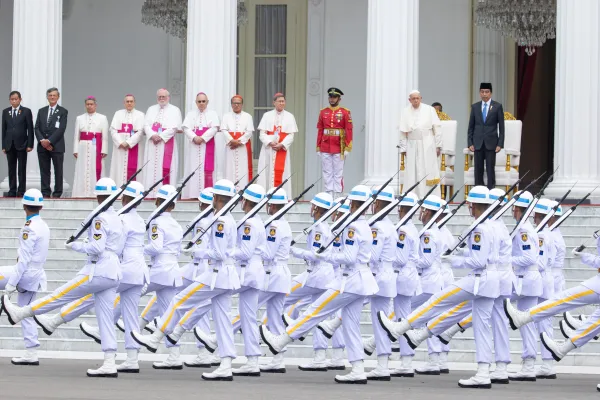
x: 50, y: 132
x: 17, y: 141
x: 486, y: 134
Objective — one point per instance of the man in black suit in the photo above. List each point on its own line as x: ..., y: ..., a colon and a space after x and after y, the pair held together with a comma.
x: 17, y: 141
x: 50, y: 132
x: 486, y: 134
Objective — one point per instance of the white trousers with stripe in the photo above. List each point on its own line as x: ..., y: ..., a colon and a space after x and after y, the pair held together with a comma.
x: 566, y: 300
x: 307, y: 295
x: 333, y: 172
x: 433, y: 343
x: 589, y: 329
x: 402, y: 308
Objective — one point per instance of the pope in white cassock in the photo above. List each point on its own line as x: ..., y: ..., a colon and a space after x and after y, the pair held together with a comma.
x: 163, y: 121
x: 421, y: 141
x: 90, y: 147
x: 127, y: 131
x: 200, y: 127
x: 277, y: 128
x: 237, y: 128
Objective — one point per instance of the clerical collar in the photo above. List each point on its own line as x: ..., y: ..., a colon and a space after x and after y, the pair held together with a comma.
x: 31, y: 216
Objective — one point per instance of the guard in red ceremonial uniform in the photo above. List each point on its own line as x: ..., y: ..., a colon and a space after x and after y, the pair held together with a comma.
x: 334, y: 141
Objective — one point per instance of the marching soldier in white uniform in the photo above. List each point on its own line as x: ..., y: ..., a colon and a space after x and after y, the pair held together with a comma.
x: 559, y: 259
x: 100, y: 276
x: 347, y: 293
x: 28, y: 274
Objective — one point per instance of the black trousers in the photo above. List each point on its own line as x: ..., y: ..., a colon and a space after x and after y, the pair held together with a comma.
x: 17, y: 164
x: 488, y: 158
x: 44, y: 158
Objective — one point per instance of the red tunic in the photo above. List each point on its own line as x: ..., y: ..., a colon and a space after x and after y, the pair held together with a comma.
x: 334, y: 134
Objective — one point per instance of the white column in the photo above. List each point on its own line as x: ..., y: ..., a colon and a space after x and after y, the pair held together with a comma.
x: 392, y: 72
x: 576, y: 139
x: 36, y: 64
x: 211, y: 59
x: 489, y: 62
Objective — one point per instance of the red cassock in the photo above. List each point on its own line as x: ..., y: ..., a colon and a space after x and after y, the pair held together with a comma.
x: 334, y: 130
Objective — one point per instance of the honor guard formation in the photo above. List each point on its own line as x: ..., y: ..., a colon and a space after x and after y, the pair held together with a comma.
x: 513, y: 278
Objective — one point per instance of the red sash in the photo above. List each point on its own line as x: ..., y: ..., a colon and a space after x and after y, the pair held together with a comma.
x: 167, y: 155
x: 132, y: 152
x: 209, y: 158
x: 279, y: 166
x: 90, y: 136
x: 237, y: 136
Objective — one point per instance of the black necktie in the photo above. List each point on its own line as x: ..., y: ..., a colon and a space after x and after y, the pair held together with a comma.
x: 14, y: 113
x: 49, y: 115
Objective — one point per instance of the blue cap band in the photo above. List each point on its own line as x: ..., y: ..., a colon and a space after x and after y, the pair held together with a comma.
x: 477, y: 195
x: 252, y: 194
x: 130, y: 189
x: 494, y: 197
x: 205, y: 197
x: 345, y: 207
x: 407, y: 200
x: 29, y: 198
x: 224, y: 188
x: 357, y: 193
x: 163, y: 192
x: 541, y: 207
x: 106, y: 188
x: 278, y: 197
x: 384, y: 194
x: 432, y: 203
x: 523, y: 200
x: 325, y: 202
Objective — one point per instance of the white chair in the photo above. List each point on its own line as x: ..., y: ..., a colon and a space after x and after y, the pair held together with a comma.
x: 447, y: 158
x: 507, y: 159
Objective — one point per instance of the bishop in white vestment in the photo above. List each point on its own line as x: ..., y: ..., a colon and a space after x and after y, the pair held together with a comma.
x: 421, y: 140
x: 237, y: 128
x: 200, y: 127
x: 127, y: 131
x: 163, y: 121
x: 277, y: 128
x: 90, y: 147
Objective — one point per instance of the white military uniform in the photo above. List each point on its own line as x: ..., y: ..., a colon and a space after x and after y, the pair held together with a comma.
x: 89, y: 143
x: 545, y: 263
x: 559, y: 261
x: 127, y: 127
x: 238, y: 162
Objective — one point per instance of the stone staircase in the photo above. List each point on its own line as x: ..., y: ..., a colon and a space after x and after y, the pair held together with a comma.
x: 64, y: 216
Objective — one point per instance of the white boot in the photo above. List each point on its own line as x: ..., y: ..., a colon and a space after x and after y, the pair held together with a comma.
x: 574, y: 323
x: 369, y: 345
x: 29, y: 358
x: 49, y: 323
x: 395, y: 356
x: 276, y: 343
x: 393, y: 329
x: 14, y: 313
x: 415, y: 337
x: 516, y: 318
x: 176, y: 335
x: 249, y: 369
x: 557, y: 350
x: 143, y: 323
x: 444, y: 363
x: 223, y: 373
x: 481, y: 380
x: 152, y: 326
x: 381, y: 372
x: 338, y: 360
x: 406, y: 370
x: 318, y: 363
x: 107, y: 370
x: 202, y: 360
x: 500, y: 374
x: 150, y: 342
x: 447, y: 336
x: 546, y: 370
x: 329, y: 326
x: 432, y: 367
x: 130, y: 365
x: 527, y: 372
x: 91, y: 331
x: 208, y: 340
x: 172, y: 362
x: 356, y: 376
x: 276, y: 366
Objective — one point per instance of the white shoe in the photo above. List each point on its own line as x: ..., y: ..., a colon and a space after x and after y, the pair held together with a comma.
x: 130, y: 365
x: 481, y: 380
x: 318, y: 363
x: 223, y: 373
x: 143, y: 324
x: 276, y: 366
x: 566, y: 330
x: 91, y: 331
x: 203, y: 360
x: 177, y: 333
x: 329, y: 326
x: 432, y: 367
x: 172, y: 362
x: 249, y: 369
x: 120, y: 325
x: 500, y: 374
x: 150, y: 342
x: 546, y: 370
x: 447, y: 336
x: 369, y: 345
x: 393, y: 329
x: 275, y: 343
x: 152, y: 326
x: 356, y: 376
x: 516, y: 318
x: 338, y: 360
x: 49, y: 323
x: 574, y: 323
x: 209, y: 341
x: 444, y: 369
x: 29, y: 358
x: 415, y: 337
x: 287, y: 320
x: 381, y: 372
x: 527, y: 372
x: 406, y: 370
x: 558, y: 351
x: 14, y: 313
x: 107, y: 370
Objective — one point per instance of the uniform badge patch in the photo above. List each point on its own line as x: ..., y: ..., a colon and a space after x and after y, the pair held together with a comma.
x: 426, y: 240
x: 524, y: 237
x: 246, y: 230
x: 154, y: 228
x: 541, y: 241
x: 220, y: 227
x: 25, y: 236
x: 272, y: 232
x: 154, y: 236
x: 477, y: 238
x: 350, y: 233
x: 402, y: 237
x: 97, y: 236
x: 199, y: 241
x: 318, y: 237
x: 97, y: 225
x: 374, y: 233
x: 28, y: 222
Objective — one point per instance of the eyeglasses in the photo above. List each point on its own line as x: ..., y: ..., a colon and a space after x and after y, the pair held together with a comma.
x: 201, y: 101
x: 236, y: 104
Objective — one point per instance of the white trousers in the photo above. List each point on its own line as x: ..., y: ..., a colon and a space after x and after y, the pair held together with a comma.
x: 197, y: 318
x: 246, y: 319
x: 28, y: 325
x: 529, y: 336
x: 104, y: 292
x: 564, y: 301
x: 307, y: 295
x: 545, y: 325
x: 589, y: 329
x: 383, y: 345
x: 402, y: 308
x: 333, y: 172
x: 433, y: 343
x: 164, y: 296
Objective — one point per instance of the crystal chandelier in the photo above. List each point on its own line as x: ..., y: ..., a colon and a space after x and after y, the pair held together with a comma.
x: 529, y: 22
x: 171, y: 15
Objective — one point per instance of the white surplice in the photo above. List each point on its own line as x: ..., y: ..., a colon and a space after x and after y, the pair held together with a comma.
x: 194, y: 154
x: 420, y: 135
x: 126, y: 127
x: 237, y: 164
x: 276, y: 127
x: 169, y: 120
x: 95, y: 128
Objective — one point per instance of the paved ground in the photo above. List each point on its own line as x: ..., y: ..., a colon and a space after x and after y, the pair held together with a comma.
x: 66, y: 380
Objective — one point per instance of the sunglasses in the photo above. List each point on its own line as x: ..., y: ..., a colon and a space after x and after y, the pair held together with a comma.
x: 201, y: 101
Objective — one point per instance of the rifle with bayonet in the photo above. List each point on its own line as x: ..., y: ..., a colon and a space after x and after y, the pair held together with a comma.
x: 289, y: 205
x: 137, y: 200
x: 570, y: 211
x: 552, y: 211
x: 440, y: 212
x: 516, y: 197
x: 261, y: 203
x: 414, y: 208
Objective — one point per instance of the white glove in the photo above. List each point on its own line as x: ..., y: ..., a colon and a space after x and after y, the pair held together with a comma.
x: 86, y: 240
x: 575, y: 252
x: 186, y: 251
x: 69, y: 246
x: 459, y: 251
x: 447, y: 258
x: 346, y: 154
x: 9, y: 289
